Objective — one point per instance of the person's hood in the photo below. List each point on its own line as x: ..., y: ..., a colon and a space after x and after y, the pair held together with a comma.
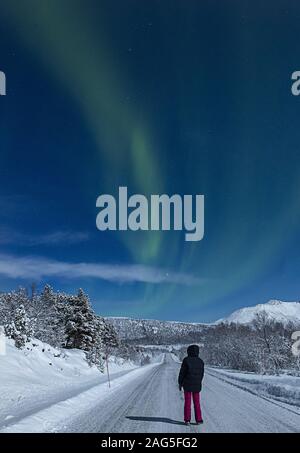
x: 193, y: 350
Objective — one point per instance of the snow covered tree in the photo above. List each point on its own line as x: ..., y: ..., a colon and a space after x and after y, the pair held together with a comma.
x: 81, y: 325
x: 6, y: 308
x: 19, y: 329
x: 145, y: 360
x: 269, y: 345
x: 95, y: 355
x: 60, y: 319
x: 108, y: 339
x: 108, y: 335
x: 52, y: 318
x: 128, y: 352
x: 105, y: 340
x: 10, y: 302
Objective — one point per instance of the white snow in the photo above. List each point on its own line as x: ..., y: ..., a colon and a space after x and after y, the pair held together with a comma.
x: 277, y: 310
x: 284, y: 387
x: 69, y: 396
x: 56, y: 415
x: 148, y: 400
x: 39, y: 375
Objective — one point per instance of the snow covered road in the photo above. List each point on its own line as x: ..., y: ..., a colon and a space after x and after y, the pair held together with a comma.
x: 148, y: 400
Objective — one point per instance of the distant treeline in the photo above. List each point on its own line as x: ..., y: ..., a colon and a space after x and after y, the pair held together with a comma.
x: 264, y: 346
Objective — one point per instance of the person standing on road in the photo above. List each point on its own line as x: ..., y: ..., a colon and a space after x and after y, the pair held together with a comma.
x: 190, y: 378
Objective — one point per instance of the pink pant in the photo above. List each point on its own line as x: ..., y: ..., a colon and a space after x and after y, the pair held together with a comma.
x: 187, y: 406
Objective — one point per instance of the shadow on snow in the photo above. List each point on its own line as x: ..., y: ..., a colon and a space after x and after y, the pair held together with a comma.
x: 155, y: 419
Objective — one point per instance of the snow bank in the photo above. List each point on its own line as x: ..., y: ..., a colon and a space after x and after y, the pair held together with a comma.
x: 284, y: 388
x: 53, y: 416
x: 39, y: 375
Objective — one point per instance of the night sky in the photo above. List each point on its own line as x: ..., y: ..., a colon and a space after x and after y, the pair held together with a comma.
x: 188, y: 97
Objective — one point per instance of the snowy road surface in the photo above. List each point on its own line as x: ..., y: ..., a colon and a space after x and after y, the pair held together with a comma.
x: 148, y: 400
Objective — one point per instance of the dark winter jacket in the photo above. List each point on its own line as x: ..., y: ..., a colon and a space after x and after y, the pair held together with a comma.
x: 191, y: 371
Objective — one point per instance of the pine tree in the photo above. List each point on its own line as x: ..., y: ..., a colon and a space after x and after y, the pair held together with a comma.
x: 19, y: 329
x: 80, y: 326
x: 108, y: 341
x: 6, y: 308
x: 52, y: 320
x: 95, y: 355
x: 108, y: 334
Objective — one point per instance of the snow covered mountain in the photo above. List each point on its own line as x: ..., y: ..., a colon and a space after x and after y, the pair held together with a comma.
x: 149, y: 331
x: 277, y: 310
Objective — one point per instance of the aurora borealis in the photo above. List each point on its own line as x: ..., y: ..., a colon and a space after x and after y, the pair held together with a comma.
x: 162, y: 97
